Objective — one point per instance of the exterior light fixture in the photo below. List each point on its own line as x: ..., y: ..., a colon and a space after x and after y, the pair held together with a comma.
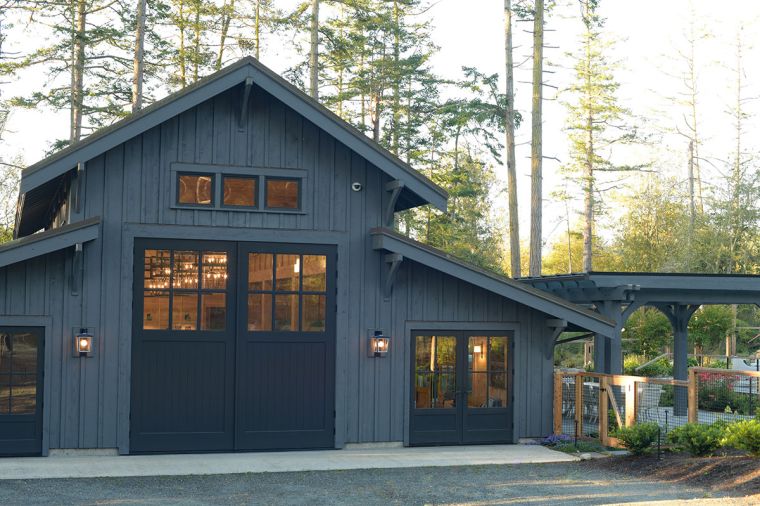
x: 478, y: 349
x: 378, y: 344
x: 84, y: 343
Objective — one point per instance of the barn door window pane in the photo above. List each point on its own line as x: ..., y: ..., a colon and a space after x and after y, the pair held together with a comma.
x: 296, y: 292
x: 259, y: 311
x: 283, y: 193
x: 487, y: 372
x: 286, y: 312
x: 213, y: 311
x: 181, y: 285
x: 239, y: 191
x: 313, y: 313
x: 195, y: 189
x: 156, y: 310
x: 185, y: 311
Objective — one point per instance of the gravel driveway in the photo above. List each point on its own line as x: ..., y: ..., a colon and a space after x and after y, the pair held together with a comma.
x: 555, y: 484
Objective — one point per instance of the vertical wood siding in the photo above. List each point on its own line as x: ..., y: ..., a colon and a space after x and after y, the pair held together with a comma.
x: 131, y: 184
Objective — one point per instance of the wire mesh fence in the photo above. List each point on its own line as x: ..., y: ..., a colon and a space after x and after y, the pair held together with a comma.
x: 593, y: 405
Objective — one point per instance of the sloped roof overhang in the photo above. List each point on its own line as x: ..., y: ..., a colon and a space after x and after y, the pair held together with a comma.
x: 39, y: 180
x: 389, y: 240
x: 49, y: 241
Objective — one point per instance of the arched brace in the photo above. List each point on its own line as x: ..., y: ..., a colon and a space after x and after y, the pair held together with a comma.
x: 558, y: 327
x: 244, y: 103
x: 394, y: 262
x: 395, y: 188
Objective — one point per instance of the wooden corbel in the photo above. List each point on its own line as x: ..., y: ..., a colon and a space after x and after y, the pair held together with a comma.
x: 244, y: 105
x: 395, y: 187
x: 394, y: 262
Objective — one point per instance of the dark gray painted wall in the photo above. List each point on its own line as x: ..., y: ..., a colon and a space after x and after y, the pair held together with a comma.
x: 130, y: 188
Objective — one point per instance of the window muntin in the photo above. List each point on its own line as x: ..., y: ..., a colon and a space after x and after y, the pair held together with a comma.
x: 239, y: 191
x: 282, y: 193
x: 283, y: 296
x: 195, y: 189
x: 18, y: 373
x: 181, y: 287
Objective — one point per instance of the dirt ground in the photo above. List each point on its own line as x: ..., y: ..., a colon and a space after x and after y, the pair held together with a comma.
x: 737, y: 474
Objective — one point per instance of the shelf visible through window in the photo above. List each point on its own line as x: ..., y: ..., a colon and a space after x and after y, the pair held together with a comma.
x: 179, y: 285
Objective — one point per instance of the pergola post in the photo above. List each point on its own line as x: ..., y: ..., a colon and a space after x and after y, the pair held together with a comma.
x: 679, y: 316
x: 608, y: 351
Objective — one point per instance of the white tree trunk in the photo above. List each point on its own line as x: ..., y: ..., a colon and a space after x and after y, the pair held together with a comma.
x: 514, y: 223
x: 314, y: 52
x: 139, y: 59
x: 536, y: 178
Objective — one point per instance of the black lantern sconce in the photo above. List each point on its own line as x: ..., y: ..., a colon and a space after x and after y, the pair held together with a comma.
x: 378, y: 344
x: 84, y: 343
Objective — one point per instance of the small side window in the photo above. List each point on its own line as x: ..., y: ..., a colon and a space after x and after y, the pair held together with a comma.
x: 239, y: 191
x: 283, y: 193
x: 195, y: 189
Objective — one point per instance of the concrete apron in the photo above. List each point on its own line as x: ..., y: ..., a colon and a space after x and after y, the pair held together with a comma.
x: 67, y: 466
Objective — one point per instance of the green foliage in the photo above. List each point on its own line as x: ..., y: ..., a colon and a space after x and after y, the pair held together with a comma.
x: 717, y: 394
x: 651, y: 331
x: 579, y: 447
x: 710, y: 324
x: 639, y: 438
x: 662, y: 367
x: 744, y: 435
x: 699, y: 440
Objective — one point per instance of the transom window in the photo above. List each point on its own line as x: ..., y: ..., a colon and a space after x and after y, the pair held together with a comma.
x: 239, y: 191
x: 231, y: 188
x: 283, y: 193
x: 286, y: 292
x: 195, y: 189
x: 18, y: 372
x: 182, y: 287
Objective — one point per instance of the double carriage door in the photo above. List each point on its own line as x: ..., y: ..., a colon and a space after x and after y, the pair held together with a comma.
x: 461, y: 388
x: 233, y: 346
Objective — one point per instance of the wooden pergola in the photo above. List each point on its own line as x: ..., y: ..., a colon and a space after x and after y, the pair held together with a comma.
x: 616, y: 295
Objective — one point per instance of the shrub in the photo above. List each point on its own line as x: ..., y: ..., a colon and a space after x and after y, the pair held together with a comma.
x: 744, y: 435
x: 699, y: 440
x: 638, y: 439
x: 717, y: 394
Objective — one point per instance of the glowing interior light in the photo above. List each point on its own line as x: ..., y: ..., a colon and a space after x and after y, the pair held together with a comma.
x: 297, y: 266
x: 83, y: 344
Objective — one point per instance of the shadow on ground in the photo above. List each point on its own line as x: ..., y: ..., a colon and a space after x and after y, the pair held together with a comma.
x: 555, y: 484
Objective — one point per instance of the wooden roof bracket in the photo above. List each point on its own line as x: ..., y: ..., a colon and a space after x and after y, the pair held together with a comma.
x: 394, y: 262
x: 77, y: 270
x: 395, y: 187
x: 558, y: 327
x: 244, y: 105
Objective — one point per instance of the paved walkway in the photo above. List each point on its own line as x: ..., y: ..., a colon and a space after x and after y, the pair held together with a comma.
x: 231, y: 463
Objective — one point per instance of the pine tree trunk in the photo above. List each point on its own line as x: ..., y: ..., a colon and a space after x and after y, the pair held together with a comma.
x: 514, y: 223
x: 314, y: 52
x: 77, y: 70
x: 588, y: 178
x: 536, y: 140
x: 396, y: 77
x: 256, y: 29
x: 182, y: 52
x: 227, y: 13
x: 139, y: 59
x: 197, y: 41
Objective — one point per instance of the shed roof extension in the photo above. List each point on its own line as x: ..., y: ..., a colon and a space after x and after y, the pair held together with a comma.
x: 40, y: 181
x: 389, y: 240
x: 49, y: 241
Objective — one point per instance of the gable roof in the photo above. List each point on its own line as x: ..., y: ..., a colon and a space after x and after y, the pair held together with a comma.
x: 49, y: 241
x: 389, y: 240
x: 38, y: 179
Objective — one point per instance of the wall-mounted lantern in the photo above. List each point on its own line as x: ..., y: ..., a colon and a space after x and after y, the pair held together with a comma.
x: 84, y: 343
x: 378, y: 344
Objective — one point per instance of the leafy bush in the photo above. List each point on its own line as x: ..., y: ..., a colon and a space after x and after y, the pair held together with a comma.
x: 638, y: 439
x: 716, y: 393
x: 744, y: 435
x: 580, y: 447
x: 699, y: 440
x: 662, y: 367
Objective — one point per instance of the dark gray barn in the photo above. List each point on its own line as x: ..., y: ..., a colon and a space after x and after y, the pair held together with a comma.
x: 217, y: 272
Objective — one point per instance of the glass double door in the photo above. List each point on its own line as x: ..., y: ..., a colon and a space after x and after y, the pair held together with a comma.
x: 461, y: 388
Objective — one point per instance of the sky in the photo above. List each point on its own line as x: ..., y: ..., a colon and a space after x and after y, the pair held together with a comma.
x: 647, y: 35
